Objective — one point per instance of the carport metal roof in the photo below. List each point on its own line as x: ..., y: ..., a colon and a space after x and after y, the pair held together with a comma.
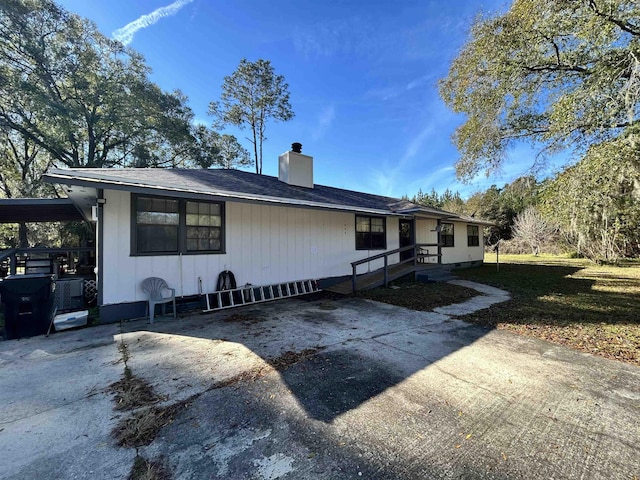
x: 16, y: 210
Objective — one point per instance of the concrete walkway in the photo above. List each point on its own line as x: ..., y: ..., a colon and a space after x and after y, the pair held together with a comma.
x: 381, y: 392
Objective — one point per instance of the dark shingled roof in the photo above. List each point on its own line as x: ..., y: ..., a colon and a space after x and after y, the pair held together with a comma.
x: 236, y: 184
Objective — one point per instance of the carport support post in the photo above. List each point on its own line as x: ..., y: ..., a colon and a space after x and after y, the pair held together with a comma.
x: 100, y: 245
x: 13, y: 264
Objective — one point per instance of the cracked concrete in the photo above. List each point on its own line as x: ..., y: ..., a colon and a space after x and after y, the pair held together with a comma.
x: 391, y: 393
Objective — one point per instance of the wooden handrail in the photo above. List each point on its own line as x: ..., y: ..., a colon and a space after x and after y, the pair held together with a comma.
x: 7, y: 253
x: 385, y: 255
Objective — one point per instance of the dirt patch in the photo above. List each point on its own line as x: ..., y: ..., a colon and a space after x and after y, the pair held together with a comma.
x: 421, y: 296
x: 144, y: 469
x: 249, y: 375
x: 320, y: 296
x: 238, y: 317
x: 327, y: 306
x: 252, y: 317
x: 279, y: 363
x: 289, y: 358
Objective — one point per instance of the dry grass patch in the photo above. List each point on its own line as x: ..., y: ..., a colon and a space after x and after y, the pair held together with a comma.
x: 141, y: 428
x: 132, y: 392
x: 144, y: 469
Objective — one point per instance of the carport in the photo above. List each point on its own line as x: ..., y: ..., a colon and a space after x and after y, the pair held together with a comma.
x: 74, y: 266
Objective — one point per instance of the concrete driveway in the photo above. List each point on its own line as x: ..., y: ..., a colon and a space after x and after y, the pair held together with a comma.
x: 321, y: 389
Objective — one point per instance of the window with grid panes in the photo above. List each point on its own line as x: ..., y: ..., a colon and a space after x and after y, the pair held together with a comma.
x: 172, y: 226
x: 473, y: 236
x: 446, y: 235
x: 371, y: 233
x: 204, y: 226
x: 157, y: 225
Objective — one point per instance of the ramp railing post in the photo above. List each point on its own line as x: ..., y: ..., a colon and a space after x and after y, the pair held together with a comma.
x: 386, y: 271
x: 353, y: 278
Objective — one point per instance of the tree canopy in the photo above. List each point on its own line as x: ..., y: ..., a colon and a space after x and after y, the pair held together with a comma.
x: 562, y: 73
x: 597, y: 203
x: 80, y: 97
x: 251, y: 96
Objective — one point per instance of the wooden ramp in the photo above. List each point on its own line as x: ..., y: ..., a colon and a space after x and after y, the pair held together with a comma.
x: 370, y: 280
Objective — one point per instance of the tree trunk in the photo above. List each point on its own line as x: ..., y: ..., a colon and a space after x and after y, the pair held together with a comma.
x: 255, y: 150
x: 23, y: 241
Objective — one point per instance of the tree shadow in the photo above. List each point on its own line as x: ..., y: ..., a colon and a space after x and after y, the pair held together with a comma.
x: 333, y: 354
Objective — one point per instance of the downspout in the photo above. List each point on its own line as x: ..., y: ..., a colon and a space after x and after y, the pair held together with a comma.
x: 181, y: 281
x: 439, y: 238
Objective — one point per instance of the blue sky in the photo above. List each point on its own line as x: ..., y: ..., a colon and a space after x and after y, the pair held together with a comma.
x: 362, y: 76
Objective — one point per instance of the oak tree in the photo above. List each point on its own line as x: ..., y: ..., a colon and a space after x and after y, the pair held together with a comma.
x: 79, y: 96
x: 561, y: 73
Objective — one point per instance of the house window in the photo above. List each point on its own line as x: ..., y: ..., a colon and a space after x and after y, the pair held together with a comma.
x: 446, y: 235
x: 371, y: 233
x: 473, y: 235
x: 157, y: 225
x: 204, y: 226
x: 166, y: 226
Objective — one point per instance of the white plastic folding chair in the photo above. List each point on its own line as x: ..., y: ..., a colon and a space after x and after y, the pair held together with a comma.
x: 155, y: 288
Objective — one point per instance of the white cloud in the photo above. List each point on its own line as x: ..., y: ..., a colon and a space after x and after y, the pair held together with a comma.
x: 419, y: 81
x: 325, y: 119
x: 126, y: 33
x: 416, y: 144
x: 395, y: 91
x: 391, y: 178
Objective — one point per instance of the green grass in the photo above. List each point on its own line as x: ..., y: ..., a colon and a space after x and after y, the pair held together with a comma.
x: 573, y: 302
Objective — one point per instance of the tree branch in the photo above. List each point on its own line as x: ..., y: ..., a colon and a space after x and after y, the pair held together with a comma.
x: 625, y: 26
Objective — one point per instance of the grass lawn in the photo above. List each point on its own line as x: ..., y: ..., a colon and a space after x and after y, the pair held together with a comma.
x: 572, y: 302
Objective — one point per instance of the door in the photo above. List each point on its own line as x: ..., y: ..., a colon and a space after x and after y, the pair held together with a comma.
x: 407, y: 237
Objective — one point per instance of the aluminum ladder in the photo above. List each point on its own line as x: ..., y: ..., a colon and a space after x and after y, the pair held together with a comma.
x: 250, y: 294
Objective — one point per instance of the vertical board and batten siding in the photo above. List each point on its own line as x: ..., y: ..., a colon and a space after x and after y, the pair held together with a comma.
x: 264, y: 245
x: 425, y: 233
x: 460, y: 252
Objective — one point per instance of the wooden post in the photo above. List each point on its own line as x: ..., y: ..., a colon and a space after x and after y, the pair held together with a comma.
x: 498, y: 256
x: 386, y: 271
x: 353, y: 278
x: 12, y: 264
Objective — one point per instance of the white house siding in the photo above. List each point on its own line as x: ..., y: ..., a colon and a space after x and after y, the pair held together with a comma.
x: 425, y: 233
x: 264, y: 245
x: 460, y: 252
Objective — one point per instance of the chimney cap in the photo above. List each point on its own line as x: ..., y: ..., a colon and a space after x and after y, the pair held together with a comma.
x: 296, y: 147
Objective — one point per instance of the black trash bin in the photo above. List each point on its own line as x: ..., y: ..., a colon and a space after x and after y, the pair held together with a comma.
x: 29, y: 304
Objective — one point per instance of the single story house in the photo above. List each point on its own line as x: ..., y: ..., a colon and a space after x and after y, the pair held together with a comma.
x: 188, y: 225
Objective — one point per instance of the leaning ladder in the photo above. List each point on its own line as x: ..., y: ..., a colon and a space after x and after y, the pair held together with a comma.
x: 250, y: 294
